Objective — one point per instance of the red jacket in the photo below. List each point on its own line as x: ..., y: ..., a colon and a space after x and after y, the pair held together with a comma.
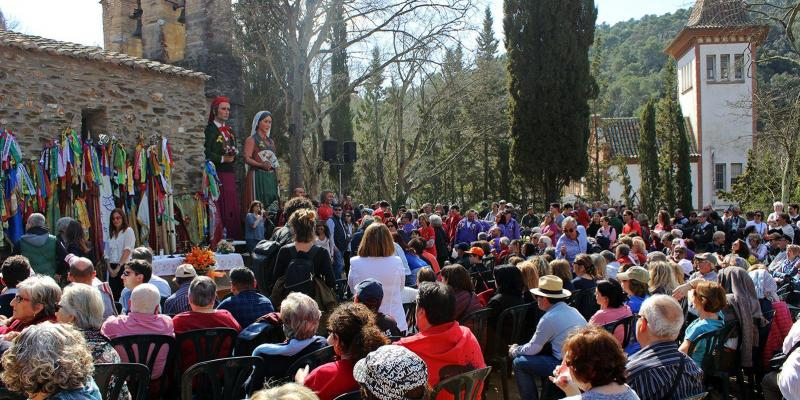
x: 452, y: 225
x: 448, y: 350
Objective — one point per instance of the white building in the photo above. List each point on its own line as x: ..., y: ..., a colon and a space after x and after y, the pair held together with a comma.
x: 716, y: 82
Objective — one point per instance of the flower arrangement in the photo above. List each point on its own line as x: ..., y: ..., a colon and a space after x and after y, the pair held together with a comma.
x: 231, y: 151
x: 225, y: 247
x: 202, y: 259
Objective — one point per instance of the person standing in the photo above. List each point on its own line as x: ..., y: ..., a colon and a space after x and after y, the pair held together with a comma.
x: 121, y: 241
x: 39, y: 246
x: 220, y: 148
x: 261, y: 162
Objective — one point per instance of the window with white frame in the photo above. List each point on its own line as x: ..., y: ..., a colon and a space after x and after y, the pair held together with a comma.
x: 711, y: 67
x: 738, y: 67
x: 724, y: 67
x: 719, y: 176
x: 686, y: 77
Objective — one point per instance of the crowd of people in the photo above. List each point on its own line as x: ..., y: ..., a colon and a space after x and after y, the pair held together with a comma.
x: 620, y: 307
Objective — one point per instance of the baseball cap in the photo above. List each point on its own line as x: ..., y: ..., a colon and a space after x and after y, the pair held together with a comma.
x: 462, y: 246
x: 634, y: 273
x: 707, y: 257
x: 476, y: 251
x: 390, y: 372
x: 369, y: 289
x: 185, y: 271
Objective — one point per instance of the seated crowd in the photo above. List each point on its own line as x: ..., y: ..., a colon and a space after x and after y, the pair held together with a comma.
x: 612, y: 308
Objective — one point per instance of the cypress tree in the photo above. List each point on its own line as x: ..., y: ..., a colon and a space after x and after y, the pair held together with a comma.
x: 666, y: 131
x: 341, y: 119
x: 547, y: 44
x: 648, y: 158
x: 683, y: 171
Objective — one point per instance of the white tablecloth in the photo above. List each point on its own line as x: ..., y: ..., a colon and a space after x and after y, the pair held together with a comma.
x: 166, y: 265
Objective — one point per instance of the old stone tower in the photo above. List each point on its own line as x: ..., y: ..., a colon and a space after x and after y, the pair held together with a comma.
x: 194, y: 34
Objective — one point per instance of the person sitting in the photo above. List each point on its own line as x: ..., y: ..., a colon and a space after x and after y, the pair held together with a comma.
x: 50, y: 361
x: 507, y: 293
x: 662, y: 277
x: 558, y: 321
x: 457, y: 277
x: 142, y: 320
x: 530, y: 277
x: 611, y: 299
x: 178, y: 302
x: 287, y: 391
x: 299, y: 320
x: 446, y: 347
x: 202, y: 293
x: 369, y: 292
x: 585, y: 273
x: 246, y: 304
x: 708, y: 299
x: 659, y: 366
x: 34, y: 303
x: 593, y: 367
x: 135, y: 273
x: 82, y: 306
x: 634, y: 281
x: 562, y: 269
x: 784, y: 383
x: 707, y: 264
x: 15, y: 269
x: 81, y: 270
x: 146, y: 254
x: 353, y: 334
x: 408, y: 371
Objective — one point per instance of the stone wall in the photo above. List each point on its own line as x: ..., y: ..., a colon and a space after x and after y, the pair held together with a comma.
x: 41, y: 94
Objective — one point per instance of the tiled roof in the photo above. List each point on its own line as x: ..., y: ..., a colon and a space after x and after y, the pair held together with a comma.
x: 36, y: 43
x: 622, y: 136
x: 719, y: 14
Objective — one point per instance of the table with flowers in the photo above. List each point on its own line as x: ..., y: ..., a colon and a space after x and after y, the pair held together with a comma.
x: 166, y: 265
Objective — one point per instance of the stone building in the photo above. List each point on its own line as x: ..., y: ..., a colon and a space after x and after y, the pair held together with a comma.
x: 194, y: 34
x: 47, y: 86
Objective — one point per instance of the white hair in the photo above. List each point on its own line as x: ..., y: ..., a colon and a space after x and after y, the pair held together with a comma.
x: 36, y: 220
x: 85, y: 304
x: 664, y: 316
x: 546, y: 240
x: 677, y: 233
x: 43, y: 290
x: 568, y: 221
x: 300, y: 315
x: 435, y: 220
x: 777, y: 204
x: 145, y: 298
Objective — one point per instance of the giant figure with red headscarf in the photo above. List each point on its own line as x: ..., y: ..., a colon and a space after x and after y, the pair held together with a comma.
x: 220, y: 148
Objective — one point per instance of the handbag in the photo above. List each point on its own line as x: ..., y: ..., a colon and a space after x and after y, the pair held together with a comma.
x: 777, y: 361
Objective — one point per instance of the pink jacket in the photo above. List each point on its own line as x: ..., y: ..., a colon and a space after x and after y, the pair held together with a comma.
x: 781, y: 324
x: 140, y: 324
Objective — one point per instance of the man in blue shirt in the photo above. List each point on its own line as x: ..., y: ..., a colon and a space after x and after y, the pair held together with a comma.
x: 246, y: 304
x: 558, y: 321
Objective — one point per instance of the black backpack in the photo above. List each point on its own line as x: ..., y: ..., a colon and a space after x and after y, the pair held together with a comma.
x: 300, y: 272
x: 263, y: 263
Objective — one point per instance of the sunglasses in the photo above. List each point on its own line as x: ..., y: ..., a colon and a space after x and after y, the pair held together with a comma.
x: 127, y: 272
x: 569, y: 230
x: 59, y: 307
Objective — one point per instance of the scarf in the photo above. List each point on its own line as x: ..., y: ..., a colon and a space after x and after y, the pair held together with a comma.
x: 214, y: 104
x: 256, y: 120
x: 744, y: 301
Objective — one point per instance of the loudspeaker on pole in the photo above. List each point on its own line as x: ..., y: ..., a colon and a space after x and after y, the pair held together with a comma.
x: 329, y: 150
x: 350, y: 154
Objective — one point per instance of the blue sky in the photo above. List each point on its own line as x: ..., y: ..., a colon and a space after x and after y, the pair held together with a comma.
x: 81, y: 20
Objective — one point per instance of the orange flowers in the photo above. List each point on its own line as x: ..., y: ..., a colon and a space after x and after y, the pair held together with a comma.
x: 202, y: 259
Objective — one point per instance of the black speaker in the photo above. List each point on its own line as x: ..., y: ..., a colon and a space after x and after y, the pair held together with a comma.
x: 350, y: 152
x: 329, y: 150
